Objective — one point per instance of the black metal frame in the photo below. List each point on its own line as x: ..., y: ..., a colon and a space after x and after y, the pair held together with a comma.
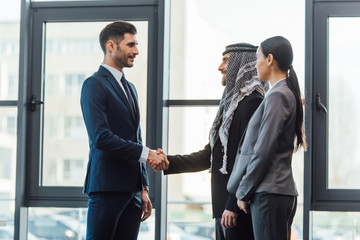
x: 20, y: 223
x: 316, y: 195
x: 33, y: 17
x: 72, y: 196
x: 7, y: 103
x: 308, y: 118
x: 191, y: 102
x: 325, y: 199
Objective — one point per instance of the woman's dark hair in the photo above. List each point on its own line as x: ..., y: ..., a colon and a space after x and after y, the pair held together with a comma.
x: 115, y: 31
x: 282, y: 52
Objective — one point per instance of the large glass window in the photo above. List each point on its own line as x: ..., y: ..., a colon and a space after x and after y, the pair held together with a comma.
x: 200, y: 30
x: 336, y: 225
x: 66, y: 147
x: 9, y: 72
x: 9, y: 49
x: 189, y: 200
x: 57, y: 223
x: 335, y: 116
x: 70, y: 224
x: 344, y: 113
x: 65, y: 50
x: 8, y: 116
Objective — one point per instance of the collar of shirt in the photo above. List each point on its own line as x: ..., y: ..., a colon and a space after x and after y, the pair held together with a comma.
x: 267, y: 93
x: 278, y: 82
x: 117, y: 75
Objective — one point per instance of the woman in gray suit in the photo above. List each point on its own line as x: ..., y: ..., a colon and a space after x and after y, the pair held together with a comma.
x: 262, y: 177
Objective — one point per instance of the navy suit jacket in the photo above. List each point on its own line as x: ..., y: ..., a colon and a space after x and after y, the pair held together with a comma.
x: 114, y: 135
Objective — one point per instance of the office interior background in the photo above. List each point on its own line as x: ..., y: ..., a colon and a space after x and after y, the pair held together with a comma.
x: 48, y: 48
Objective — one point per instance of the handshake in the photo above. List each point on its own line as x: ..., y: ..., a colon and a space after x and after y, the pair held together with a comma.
x: 158, y: 160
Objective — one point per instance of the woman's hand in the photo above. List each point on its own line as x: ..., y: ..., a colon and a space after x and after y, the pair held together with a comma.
x: 243, y: 206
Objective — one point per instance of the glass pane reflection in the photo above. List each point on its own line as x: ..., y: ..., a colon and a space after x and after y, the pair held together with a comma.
x: 8, y: 138
x: 9, y: 49
x: 57, y: 223
x: 189, y: 207
x: 7, y: 209
x: 70, y: 224
x: 344, y: 112
x: 189, y: 132
x: 190, y: 221
x: 335, y: 225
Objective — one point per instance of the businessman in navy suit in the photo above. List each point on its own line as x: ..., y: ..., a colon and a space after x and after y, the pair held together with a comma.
x: 116, y: 180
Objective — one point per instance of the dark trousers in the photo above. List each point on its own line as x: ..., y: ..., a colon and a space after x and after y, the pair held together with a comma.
x: 219, y: 229
x: 272, y: 216
x: 243, y: 230
x: 113, y: 216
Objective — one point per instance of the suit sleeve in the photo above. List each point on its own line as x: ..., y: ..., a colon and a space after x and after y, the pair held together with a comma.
x: 276, y: 111
x: 194, y: 162
x: 94, y: 109
x: 247, y: 110
x: 231, y: 203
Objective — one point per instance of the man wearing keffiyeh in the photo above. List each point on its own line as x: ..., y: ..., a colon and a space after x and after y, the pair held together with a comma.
x: 242, y: 95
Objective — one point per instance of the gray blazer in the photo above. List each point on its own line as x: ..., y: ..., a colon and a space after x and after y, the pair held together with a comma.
x: 264, y: 162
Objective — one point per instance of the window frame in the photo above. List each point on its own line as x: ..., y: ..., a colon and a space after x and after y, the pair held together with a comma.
x: 323, y: 198
x: 158, y: 63
x: 44, y: 12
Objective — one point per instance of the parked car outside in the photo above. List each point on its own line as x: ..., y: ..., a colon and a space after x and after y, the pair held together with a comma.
x: 7, y: 233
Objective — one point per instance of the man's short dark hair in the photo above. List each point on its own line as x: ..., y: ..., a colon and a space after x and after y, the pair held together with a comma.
x: 115, y: 31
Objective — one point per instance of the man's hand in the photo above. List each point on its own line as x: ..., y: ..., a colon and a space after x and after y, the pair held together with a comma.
x: 158, y: 161
x: 243, y: 206
x: 229, y: 219
x: 159, y: 151
x: 146, y: 205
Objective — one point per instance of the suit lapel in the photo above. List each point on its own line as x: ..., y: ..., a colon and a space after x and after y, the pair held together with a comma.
x: 109, y: 77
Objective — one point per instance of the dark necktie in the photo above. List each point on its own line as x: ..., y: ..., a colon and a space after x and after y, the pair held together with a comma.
x: 125, y: 84
x: 129, y: 96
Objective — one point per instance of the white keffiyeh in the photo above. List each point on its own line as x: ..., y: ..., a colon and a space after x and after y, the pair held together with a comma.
x: 241, y: 81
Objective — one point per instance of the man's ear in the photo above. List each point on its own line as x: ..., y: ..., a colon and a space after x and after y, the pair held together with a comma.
x: 110, y: 46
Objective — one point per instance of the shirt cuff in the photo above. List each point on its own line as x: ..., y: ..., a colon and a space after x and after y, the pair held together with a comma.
x: 144, y: 155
